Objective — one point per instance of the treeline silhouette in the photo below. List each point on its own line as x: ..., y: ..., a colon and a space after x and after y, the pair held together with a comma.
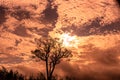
x: 10, y: 75
x: 6, y: 74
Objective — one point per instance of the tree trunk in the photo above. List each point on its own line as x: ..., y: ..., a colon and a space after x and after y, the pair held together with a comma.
x: 47, y: 68
x: 49, y: 78
x: 51, y: 72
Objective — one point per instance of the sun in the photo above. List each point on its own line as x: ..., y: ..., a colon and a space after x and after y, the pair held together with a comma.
x: 68, y: 40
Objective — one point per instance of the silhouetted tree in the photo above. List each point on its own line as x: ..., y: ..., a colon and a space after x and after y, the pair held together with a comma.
x: 50, y: 51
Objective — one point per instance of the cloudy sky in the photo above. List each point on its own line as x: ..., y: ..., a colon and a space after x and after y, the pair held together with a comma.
x: 95, y: 23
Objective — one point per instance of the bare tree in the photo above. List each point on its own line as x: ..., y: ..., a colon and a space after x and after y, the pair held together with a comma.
x: 50, y: 51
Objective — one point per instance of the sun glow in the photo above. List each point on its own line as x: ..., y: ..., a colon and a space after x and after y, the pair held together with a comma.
x: 68, y: 40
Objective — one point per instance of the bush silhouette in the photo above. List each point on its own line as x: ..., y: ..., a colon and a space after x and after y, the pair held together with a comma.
x: 15, y: 75
x: 10, y: 75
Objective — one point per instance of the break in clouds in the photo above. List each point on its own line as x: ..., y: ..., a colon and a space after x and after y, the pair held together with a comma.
x: 95, y: 23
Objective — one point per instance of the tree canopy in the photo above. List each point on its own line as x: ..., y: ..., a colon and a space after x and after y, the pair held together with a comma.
x: 51, y: 51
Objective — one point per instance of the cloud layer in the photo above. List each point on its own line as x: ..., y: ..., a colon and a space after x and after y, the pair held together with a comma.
x: 95, y: 23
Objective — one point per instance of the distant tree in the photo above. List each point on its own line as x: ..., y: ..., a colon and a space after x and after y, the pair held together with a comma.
x: 51, y: 51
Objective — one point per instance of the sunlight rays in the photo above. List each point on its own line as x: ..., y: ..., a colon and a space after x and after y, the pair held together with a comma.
x: 68, y: 40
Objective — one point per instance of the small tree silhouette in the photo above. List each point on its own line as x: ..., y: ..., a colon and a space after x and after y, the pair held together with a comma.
x: 50, y: 51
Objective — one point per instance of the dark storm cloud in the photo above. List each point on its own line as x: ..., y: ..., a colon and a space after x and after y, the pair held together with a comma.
x: 50, y: 14
x: 20, y: 13
x: 21, y: 31
x: 103, y: 56
x: 3, y: 14
x: 90, y: 72
x: 42, y: 31
x: 112, y: 27
x: 48, y: 17
x: 94, y: 28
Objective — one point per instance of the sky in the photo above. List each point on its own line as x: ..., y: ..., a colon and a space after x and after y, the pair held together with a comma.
x: 94, y: 23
